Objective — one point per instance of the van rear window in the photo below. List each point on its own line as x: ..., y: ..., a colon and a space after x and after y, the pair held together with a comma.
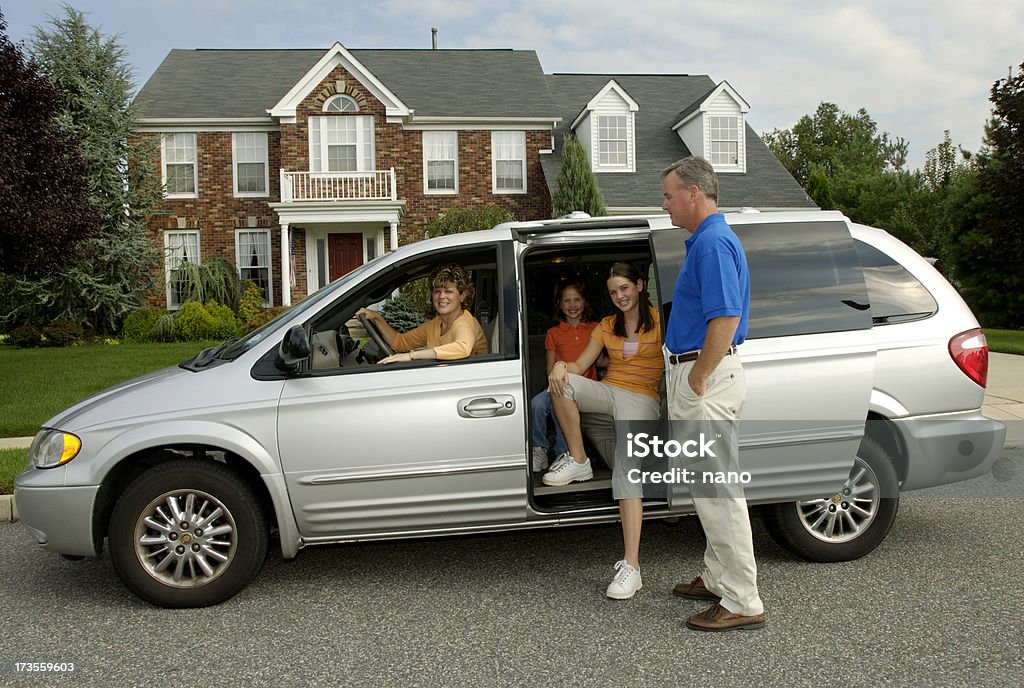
x: 805, y: 278
x: 896, y: 295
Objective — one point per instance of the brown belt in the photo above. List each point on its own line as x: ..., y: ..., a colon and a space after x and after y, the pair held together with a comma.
x: 675, y: 359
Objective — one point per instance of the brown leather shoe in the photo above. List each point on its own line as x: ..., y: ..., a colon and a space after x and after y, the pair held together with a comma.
x: 695, y: 590
x: 718, y: 618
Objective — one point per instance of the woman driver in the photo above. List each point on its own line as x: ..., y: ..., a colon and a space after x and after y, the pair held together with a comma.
x: 452, y: 334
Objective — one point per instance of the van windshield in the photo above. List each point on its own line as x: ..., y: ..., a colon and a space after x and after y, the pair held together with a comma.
x: 234, y: 349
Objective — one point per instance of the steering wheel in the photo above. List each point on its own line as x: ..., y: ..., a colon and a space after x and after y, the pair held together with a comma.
x: 375, y: 335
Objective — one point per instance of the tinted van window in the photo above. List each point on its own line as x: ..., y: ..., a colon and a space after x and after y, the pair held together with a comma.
x: 896, y: 295
x: 805, y: 278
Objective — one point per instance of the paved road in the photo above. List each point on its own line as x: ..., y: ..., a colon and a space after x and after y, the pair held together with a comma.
x: 937, y: 604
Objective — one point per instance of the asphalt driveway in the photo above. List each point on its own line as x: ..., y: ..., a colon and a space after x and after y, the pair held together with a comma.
x: 937, y: 604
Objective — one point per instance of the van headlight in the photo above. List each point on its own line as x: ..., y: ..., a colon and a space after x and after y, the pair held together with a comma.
x: 52, y: 448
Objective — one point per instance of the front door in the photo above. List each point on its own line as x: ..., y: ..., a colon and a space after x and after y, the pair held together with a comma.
x: 344, y: 253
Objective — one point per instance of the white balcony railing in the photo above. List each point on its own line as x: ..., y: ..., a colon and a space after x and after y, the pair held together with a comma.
x: 378, y: 185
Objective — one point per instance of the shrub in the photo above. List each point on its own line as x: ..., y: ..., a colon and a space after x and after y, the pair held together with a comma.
x: 193, y: 322
x: 138, y: 326
x: 63, y: 333
x: 263, y: 317
x: 163, y: 329
x: 251, y: 303
x: 25, y: 337
x: 224, y: 324
x: 215, y: 280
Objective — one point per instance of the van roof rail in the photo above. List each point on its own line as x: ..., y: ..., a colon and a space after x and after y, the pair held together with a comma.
x: 522, y: 230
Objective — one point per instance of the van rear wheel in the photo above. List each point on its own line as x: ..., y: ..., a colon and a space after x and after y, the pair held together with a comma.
x: 845, y: 525
x: 188, y: 533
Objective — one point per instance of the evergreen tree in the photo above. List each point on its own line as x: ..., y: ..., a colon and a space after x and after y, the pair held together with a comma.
x: 577, y: 185
x: 94, y: 82
x: 989, y: 248
x: 44, y: 208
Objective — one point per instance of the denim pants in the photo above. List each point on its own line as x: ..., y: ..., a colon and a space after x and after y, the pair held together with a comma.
x: 540, y: 411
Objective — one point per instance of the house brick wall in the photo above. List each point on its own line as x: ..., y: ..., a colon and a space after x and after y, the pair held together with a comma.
x: 216, y: 212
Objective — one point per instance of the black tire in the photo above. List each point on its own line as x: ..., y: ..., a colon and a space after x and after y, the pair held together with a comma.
x: 858, y: 525
x: 178, y: 564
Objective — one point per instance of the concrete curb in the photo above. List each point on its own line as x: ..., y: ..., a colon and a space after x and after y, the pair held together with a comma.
x: 8, y: 509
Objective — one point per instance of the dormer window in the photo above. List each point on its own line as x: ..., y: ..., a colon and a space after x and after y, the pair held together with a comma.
x: 725, y: 140
x: 341, y: 103
x: 606, y: 128
x: 714, y: 127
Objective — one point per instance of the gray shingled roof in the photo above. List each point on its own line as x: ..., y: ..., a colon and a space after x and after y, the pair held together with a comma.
x: 434, y: 83
x: 661, y: 98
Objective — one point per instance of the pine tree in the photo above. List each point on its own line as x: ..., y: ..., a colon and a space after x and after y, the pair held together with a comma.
x: 94, y: 81
x: 577, y: 185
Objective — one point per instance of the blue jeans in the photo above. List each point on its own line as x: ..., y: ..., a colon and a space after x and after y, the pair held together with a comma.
x: 540, y: 411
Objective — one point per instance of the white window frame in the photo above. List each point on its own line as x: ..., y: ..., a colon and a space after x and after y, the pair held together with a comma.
x: 268, y: 292
x: 625, y: 117
x: 720, y: 139
x: 171, y: 261
x: 500, y: 141
x: 433, y: 141
x: 348, y: 104
x: 318, y: 145
x: 189, y: 150
x: 238, y: 145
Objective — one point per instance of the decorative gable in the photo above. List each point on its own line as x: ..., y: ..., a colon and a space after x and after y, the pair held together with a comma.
x: 714, y: 127
x: 284, y: 110
x: 607, y: 129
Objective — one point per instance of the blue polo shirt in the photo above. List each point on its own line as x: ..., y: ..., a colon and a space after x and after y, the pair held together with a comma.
x: 714, y: 282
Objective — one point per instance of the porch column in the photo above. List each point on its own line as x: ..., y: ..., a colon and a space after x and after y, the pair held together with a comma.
x: 286, y: 255
x: 394, y: 235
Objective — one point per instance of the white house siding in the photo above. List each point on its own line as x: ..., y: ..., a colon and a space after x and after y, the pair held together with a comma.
x: 584, y: 132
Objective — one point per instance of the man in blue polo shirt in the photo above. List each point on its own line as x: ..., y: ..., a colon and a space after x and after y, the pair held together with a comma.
x: 710, y: 309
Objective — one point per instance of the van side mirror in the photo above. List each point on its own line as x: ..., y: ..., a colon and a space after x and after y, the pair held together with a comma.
x: 294, y: 349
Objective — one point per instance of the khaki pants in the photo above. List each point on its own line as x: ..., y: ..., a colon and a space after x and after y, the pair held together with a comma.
x: 729, y: 567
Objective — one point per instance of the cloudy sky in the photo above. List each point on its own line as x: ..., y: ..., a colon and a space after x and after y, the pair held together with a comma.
x: 917, y: 66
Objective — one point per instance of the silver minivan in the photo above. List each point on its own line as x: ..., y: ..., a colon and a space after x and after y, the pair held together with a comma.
x: 866, y: 374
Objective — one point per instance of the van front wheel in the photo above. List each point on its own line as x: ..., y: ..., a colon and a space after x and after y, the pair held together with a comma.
x: 187, y: 533
x: 845, y: 525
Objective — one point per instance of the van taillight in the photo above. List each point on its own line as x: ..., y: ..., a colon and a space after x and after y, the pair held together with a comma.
x: 970, y: 352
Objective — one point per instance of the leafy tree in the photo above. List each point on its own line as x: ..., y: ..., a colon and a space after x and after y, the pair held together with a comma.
x: 989, y: 248
x: 466, y: 219
x: 94, y: 83
x: 44, y: 208
x: 577, y: 185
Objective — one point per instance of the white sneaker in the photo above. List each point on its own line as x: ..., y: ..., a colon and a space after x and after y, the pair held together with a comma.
x: 560, y: 459
x: 540, y: 459
x: 626, y: 582
x: 565, y: 472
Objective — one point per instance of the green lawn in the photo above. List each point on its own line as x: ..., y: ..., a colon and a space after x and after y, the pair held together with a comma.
x: 12, y: 462
x: 36, y: 384
x: 1005, y: 341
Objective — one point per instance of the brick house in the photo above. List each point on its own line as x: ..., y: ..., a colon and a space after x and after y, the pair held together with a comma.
x: 332, y: 158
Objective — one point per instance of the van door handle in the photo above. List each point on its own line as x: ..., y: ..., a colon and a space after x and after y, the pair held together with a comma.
x: 487, y: 407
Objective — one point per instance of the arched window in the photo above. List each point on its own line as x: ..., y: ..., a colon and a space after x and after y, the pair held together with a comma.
x: 341, y: 103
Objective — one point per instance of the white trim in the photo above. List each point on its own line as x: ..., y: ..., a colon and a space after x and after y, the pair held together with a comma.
x: 630, y: 164
x: 170, y: 125
x: 269, y: 291
x: 336, y: 56
x: 494, y: 166
x: 426, y: 177
x: 365, y: 144
x: 480, y: 123
x: 194, y: 163
x: 266, y: 167
x: 595, y: 102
